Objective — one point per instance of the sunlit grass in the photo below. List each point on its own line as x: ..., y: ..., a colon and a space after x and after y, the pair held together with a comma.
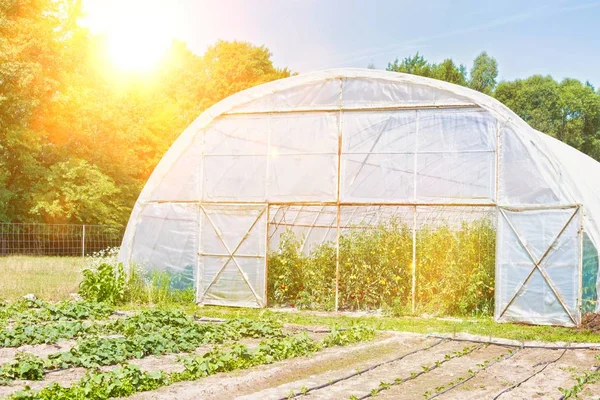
x: 49, y: 278
x: 476, y: 326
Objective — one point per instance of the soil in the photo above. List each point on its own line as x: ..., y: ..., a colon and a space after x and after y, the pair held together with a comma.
x: 269, y: 378
x: 278, y: 380
x: 591, y: 321
x: 40, y: 350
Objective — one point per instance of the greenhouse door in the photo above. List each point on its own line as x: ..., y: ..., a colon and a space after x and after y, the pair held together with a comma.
x: 232, y: 254
x: 538, y: 267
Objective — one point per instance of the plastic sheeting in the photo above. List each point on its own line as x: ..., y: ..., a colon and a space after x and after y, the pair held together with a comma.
x: 538, y: 266
x: 336, y: 139
x: 232, y: 255
x: 589, y: 295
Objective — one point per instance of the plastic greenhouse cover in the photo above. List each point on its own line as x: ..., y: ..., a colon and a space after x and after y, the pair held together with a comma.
x: 345, y: 137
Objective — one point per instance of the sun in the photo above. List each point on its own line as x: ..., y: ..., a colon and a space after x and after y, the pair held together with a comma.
x: 136, y: 47
x: 138, y: 32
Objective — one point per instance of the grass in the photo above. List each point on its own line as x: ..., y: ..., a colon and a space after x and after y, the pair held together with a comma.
x: 49, y: 278
x: 478, y: 326
x: 54, y: 278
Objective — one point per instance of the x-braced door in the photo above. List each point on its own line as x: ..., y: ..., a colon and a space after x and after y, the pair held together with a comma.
x: 538, y: 275
x: 232, y: 269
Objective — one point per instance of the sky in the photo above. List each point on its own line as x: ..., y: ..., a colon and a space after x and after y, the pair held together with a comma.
x: 553, y: 37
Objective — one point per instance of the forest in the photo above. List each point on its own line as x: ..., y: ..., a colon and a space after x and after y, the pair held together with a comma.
x: 79, y: 138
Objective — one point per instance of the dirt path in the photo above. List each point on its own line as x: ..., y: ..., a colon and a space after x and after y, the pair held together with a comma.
x: 272, y: 379
x: 525, y: 363
x: 278, y: 380
x: 351, y: 363
x: 443, y: 376
x: 40, y: 350
x: 281, y: 379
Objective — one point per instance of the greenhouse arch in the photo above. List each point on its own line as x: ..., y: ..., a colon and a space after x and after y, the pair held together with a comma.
x: 327, y: 154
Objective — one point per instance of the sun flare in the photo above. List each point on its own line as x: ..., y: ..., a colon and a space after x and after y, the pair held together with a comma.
x: 138, y: 33
x: 135, y: 47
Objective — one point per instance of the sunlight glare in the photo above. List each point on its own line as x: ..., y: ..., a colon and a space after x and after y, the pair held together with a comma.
x: 138, y: 33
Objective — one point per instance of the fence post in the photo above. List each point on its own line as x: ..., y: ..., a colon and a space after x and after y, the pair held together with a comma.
x: 83, y: 243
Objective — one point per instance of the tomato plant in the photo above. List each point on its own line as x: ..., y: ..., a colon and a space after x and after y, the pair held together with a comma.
x: 455, y: 269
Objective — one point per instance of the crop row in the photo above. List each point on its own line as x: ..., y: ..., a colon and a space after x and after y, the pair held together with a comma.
x: 147, y: 333
x: 129, y: 379
x: 425, y: 368
x: 22, y: 333
x: 25, y: 311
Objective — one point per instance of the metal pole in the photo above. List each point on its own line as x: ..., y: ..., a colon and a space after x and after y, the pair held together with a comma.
x: 338, y: 199
x: 580, y: 265
x: 414, y: 261
x: 266, y: 291
x: 337, y: 262
x: 414, y: 231
x: 83, y: 243
x: 333, y: 109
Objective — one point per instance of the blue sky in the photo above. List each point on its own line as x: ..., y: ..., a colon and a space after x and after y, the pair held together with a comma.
x: 560, y: 38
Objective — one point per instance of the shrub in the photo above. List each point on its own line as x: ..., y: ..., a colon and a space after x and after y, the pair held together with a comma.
x: 105, y: 280
x: 104, y: 284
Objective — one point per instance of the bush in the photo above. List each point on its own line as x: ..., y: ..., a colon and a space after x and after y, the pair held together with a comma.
x: 105, y: 280
x: 105, y: 284
x: 455, y: 270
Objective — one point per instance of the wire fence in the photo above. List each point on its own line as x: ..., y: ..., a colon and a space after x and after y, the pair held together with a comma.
x: 28, y: 239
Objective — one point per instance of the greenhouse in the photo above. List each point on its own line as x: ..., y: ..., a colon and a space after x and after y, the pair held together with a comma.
x: 364, y: 189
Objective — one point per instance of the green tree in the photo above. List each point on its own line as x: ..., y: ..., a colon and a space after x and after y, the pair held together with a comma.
x: 78, y: 139
x: 417, y: 65
x: 233, y: 66
x: 33, y: 37
x: 569, y: 110
x: 579, y: 124
x: 76, y: 191
x: 534, y: 99
x: 450, y: 72
x: 484, y: 73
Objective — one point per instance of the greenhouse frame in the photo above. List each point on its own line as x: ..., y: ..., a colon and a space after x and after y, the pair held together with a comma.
x: 325, y: 153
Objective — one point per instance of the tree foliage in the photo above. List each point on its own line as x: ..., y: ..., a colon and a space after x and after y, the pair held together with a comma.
x: 78, y: 139
x: 484, y: 73
x: 445, y: 71
x: 568, y: 110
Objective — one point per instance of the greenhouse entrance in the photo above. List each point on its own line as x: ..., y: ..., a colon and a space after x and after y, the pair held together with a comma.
x: 232, y: 255
x: 407, y: 258
x: 540, y: 259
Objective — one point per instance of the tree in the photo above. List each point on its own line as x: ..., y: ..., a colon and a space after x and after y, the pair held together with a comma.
x: 233, y: 66
x: 579, y: 123
x: 569, y: 110
x: 417, y: 65
x: 75, y: 191
x: 484, y: 73
x: 534, y: 99
x: 33, y: 37
x: 78, y: 139
x: 449, y: 72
